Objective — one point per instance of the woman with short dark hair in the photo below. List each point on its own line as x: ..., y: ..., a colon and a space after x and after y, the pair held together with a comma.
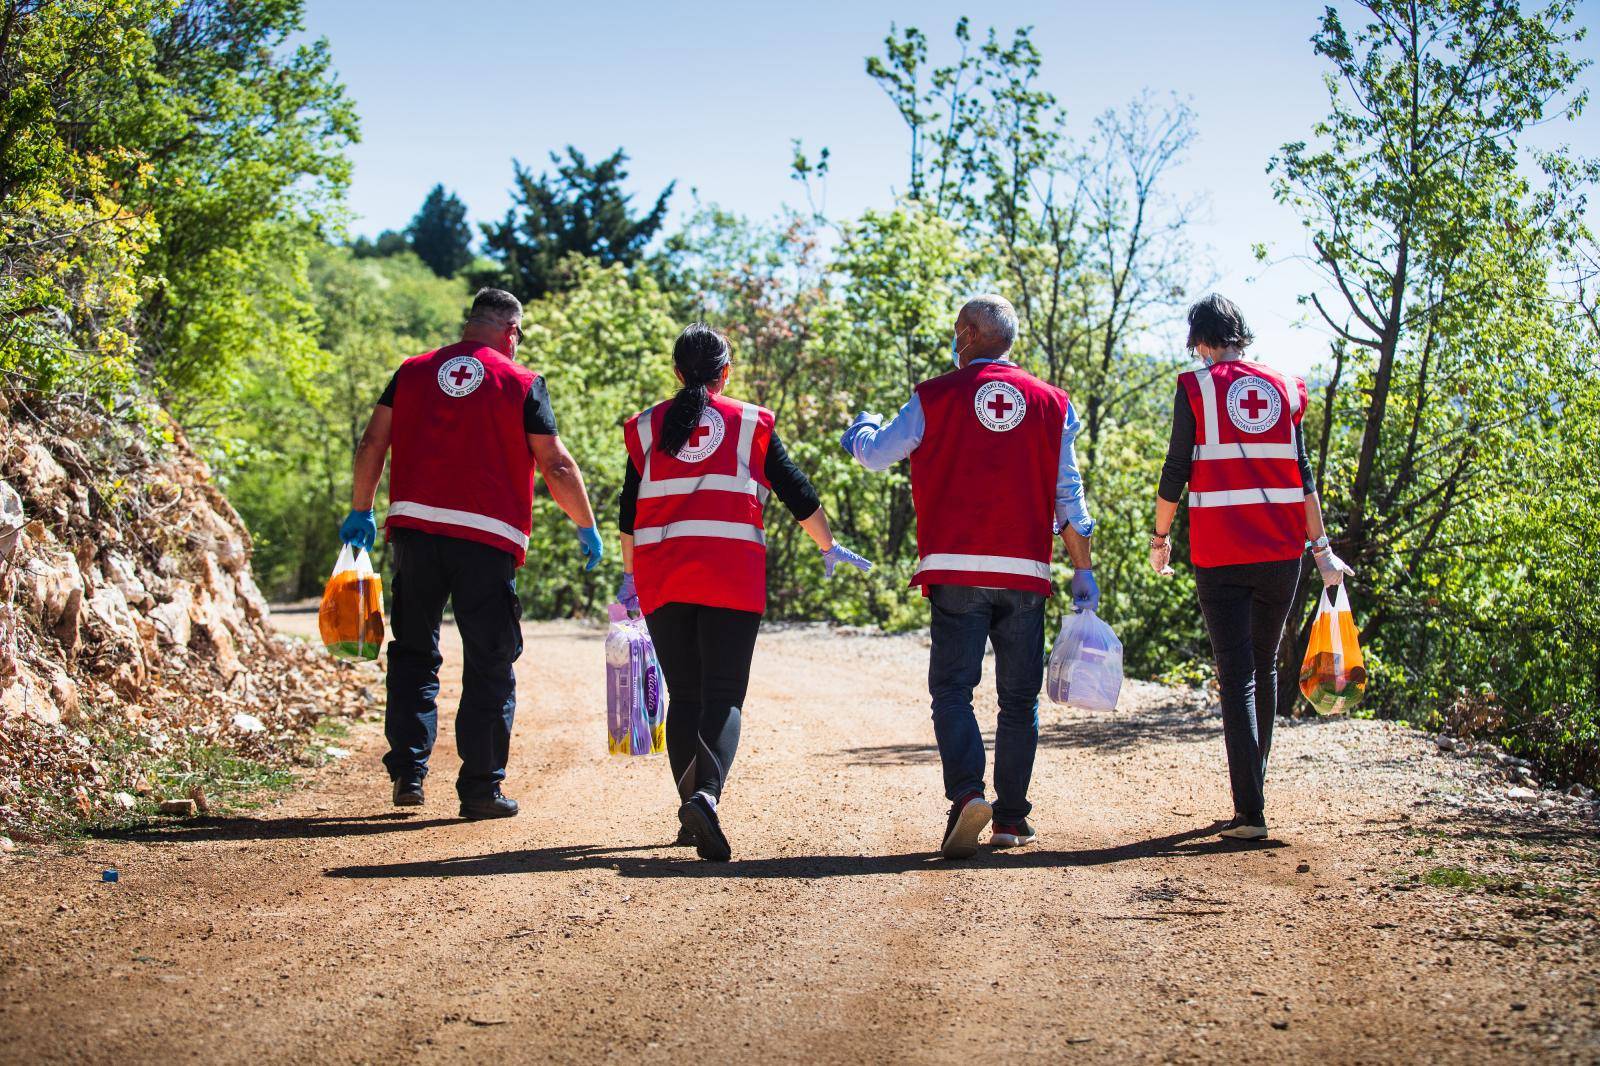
x: 694, y: 560
x: 1236, y: 440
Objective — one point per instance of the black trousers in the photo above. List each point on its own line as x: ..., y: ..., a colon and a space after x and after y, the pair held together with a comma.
x: 705, y: 656
x: 479, y: 582
x: 1245, y: 607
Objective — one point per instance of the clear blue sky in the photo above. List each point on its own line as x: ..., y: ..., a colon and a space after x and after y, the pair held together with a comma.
x: 711, y: 94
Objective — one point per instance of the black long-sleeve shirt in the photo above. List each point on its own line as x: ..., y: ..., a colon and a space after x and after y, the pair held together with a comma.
x: 1180, y: 453
x: 788, y: 481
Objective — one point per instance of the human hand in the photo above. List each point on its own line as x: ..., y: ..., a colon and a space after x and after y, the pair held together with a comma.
x: 1332, y: 568
x: 864, y: 420
x: 840, y: 554
x: 590, y: 544
x: 628, y: 594
x: 1161, y: 556
x: 359, y: 530
x: 1085, y: 590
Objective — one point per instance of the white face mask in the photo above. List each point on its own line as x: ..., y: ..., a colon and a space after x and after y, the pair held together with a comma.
x: 955, y: 350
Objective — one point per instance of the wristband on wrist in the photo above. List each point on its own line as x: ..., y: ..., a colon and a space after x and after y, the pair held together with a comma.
x: 1160, y: 536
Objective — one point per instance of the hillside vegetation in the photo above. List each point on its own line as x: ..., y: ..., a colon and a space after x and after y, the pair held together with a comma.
x: 171, y: 180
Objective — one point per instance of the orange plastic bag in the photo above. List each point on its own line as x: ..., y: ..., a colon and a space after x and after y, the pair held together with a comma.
x: 1333, y: 677
x: 351, y: 617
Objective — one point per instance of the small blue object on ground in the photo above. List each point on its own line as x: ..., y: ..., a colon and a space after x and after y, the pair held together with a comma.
x: 109, y: 876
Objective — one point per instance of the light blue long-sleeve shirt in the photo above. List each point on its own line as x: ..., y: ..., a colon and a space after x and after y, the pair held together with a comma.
x: 880, y: 447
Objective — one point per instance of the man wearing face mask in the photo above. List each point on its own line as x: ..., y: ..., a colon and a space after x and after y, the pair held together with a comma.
x: 994, y: 475
x: 467, y: 425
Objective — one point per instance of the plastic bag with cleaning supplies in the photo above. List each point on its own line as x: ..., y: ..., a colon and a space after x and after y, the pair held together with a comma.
x: 1333, y: 677
x: 351, y: 616
x: 1085, y: 664
x: 636, y: 708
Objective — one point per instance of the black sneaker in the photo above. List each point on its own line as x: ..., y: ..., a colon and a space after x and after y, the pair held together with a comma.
x: 968, y: 816
x: 407, y: 793
x: 1245, y: 827
x: 685, y: 837
x: 699, y: 819
x: 494, y: 806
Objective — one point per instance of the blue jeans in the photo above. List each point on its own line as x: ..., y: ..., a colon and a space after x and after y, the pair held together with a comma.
x: 964, y: 619
x: 479, y: 582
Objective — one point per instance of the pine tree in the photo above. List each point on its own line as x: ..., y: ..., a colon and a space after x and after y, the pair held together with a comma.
x: 581, y: 209
x: 439, y: 233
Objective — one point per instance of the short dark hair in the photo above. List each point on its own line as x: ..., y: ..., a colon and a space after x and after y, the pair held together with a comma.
x: 495, y: 306
x: 1217, y: 322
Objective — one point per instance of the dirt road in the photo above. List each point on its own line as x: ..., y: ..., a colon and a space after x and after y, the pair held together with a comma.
x: 332, y: 928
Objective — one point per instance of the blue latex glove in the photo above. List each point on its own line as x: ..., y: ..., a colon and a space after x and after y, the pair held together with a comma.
x: 628, y: 594
x: 1085, y: 591
x: 590, y: 544
x: 864, y: 420
x: 359, y: 530
x: 840, y: 554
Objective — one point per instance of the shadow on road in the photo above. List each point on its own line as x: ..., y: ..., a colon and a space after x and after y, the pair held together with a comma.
x: 197, y: 829
x: 1110, y: 732
x: 627, y: 863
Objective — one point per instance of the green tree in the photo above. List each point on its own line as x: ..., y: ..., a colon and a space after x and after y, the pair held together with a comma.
x: 439, y: 233
x: 1435, y: 229
x: 287, y: 467
x: 580, y: 210
x: 383, y: 245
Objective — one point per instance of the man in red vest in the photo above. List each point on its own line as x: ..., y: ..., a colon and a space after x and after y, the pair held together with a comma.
x: 468, y: 426
x: 993, y: 475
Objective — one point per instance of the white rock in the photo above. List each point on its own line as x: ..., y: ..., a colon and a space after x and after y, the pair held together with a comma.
x: 336, y: 753
x: 123, y: 800
x: 172, y: 619
x: 1526, y: 795
x: 249, y: 723
x: 11, y: 520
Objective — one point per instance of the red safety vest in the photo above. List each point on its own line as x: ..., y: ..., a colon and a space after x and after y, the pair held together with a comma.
x: 1246, y: 498
x: 984, y: 478
x: 461, y: 464
x: 698, y: 535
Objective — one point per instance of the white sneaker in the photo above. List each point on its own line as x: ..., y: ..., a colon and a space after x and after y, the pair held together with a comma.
x: 966, y: 823
x: 1243, y: 828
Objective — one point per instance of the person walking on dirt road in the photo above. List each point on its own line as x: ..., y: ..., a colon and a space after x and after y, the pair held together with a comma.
x: 1236, y: 440
x: 700, y: 467
x: 467, y: 425
x: 993, y: 474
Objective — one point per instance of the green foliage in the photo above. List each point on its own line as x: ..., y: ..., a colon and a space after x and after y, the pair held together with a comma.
x: 287, y: 464
x: 439, y: 233
x: 581, y: 210
x: 384, y: 244
x: 1450, y: 424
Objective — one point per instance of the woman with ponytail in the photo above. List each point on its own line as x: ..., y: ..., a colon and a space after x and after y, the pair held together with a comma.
x: 700, y: 469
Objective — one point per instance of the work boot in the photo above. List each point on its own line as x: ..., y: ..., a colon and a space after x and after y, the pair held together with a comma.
x: 407, y: 793
x: 494, y: 805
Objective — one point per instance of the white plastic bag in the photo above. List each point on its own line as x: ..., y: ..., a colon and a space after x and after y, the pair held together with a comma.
x: 351, y: 615
x: 636, y: 707
x: 1085, y: 664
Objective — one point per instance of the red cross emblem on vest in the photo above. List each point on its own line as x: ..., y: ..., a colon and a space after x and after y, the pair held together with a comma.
x: 1253, y: 404
x: 460, y: 376
x: 999, y: 405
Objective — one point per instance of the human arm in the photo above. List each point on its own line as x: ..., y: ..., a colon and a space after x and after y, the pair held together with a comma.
x: 794, y: 488
x: 1174, y: 475
x: 565, y: 482
x: 878, y: 447
x: 360, y: 526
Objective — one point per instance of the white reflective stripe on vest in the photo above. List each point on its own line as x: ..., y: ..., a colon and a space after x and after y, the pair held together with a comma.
x: 1245, y: 497
x: 1241, y: 450
x: 984, y: 564
x: 698, y: 528
x: 466, y: 519
x: 1208, y: 402
x: 683, y: 486
x: 646, y: 440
